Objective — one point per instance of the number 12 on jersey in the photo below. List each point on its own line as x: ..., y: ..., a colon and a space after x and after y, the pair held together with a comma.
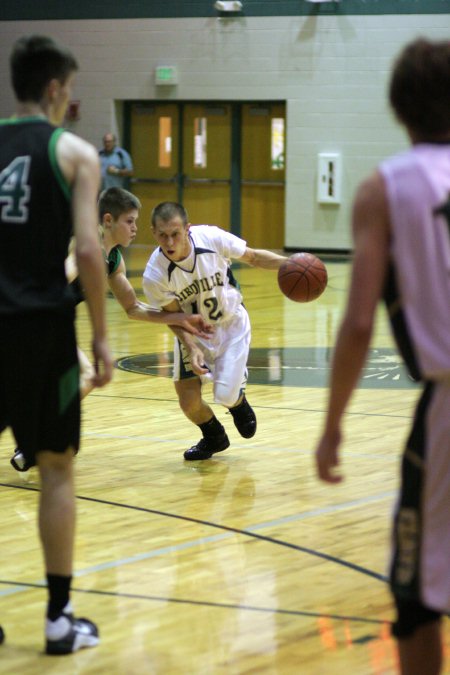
x: 211, y: 305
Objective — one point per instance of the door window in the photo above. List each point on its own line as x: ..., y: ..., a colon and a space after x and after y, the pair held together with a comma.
x: 200, y: 143
x: 277, y: 143
x: 165, y: 142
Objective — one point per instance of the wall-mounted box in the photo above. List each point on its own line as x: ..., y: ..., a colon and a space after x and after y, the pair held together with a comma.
x: 329, y: 178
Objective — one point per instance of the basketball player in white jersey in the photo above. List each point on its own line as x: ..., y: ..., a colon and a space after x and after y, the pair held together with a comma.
x: 401, y: 227
x: 190, y: 270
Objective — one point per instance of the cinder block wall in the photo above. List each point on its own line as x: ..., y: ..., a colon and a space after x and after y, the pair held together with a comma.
x: 332, y: 71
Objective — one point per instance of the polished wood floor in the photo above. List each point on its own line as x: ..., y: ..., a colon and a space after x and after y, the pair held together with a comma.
x: 241, y: 564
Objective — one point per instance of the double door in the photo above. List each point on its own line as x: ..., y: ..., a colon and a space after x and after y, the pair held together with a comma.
x: 223, y: 161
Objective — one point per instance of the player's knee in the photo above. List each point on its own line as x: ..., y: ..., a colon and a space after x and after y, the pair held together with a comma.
x: 55, y: 469
x: 225, y: 396
x: 411, y: 615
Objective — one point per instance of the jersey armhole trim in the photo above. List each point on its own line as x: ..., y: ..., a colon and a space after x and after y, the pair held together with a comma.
x: 113, y: 260
x: 64, y: 185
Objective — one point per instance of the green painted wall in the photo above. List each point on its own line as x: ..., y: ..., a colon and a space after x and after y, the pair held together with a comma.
x: 15, y: 10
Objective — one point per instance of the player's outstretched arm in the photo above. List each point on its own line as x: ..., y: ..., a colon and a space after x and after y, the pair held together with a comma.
x: 259, y: 257
x: 126, y: 296
x: 194, y: 324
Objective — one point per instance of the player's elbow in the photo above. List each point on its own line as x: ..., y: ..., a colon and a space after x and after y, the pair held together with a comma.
x: 250, y: 256
x: 87, y: 252
x: 132, y: 312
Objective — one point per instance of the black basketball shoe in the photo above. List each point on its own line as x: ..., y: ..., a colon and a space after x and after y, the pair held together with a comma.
x: 68, y: 634
x: 244, y: 418
x: 19, y: 462
x: 207, y: 447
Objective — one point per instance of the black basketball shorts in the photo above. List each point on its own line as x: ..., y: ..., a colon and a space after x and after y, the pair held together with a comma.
x: 39, y: 382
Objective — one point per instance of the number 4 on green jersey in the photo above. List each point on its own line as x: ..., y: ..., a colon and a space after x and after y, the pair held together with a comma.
x: 14, y: 191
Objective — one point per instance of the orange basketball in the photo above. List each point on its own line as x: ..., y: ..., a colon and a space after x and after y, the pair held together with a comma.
x: 302, y: 277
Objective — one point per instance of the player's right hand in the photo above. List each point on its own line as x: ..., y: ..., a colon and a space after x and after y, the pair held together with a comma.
x: 327, y: 458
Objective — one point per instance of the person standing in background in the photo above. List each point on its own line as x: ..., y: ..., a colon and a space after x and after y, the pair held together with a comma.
x: 116, y: 164
x: 401, y: 230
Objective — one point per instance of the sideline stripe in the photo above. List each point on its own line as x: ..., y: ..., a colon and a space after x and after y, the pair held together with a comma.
x: 324, y: 510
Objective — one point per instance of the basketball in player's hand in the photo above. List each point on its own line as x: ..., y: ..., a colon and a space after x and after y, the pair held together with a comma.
x: 302, y: 277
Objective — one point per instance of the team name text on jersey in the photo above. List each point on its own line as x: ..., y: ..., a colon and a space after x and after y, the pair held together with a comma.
x: 201, y: 285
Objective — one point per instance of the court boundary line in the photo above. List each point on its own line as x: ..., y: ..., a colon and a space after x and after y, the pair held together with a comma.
x: 225, y: 528
x: 203, y: 603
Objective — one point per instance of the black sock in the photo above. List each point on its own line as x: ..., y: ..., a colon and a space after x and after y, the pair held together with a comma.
x: 212, y: 428
x: 58, y: 591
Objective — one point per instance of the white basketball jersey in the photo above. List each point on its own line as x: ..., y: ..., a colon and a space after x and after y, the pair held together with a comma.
x: 418, y: 184
x: 202, y: 283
